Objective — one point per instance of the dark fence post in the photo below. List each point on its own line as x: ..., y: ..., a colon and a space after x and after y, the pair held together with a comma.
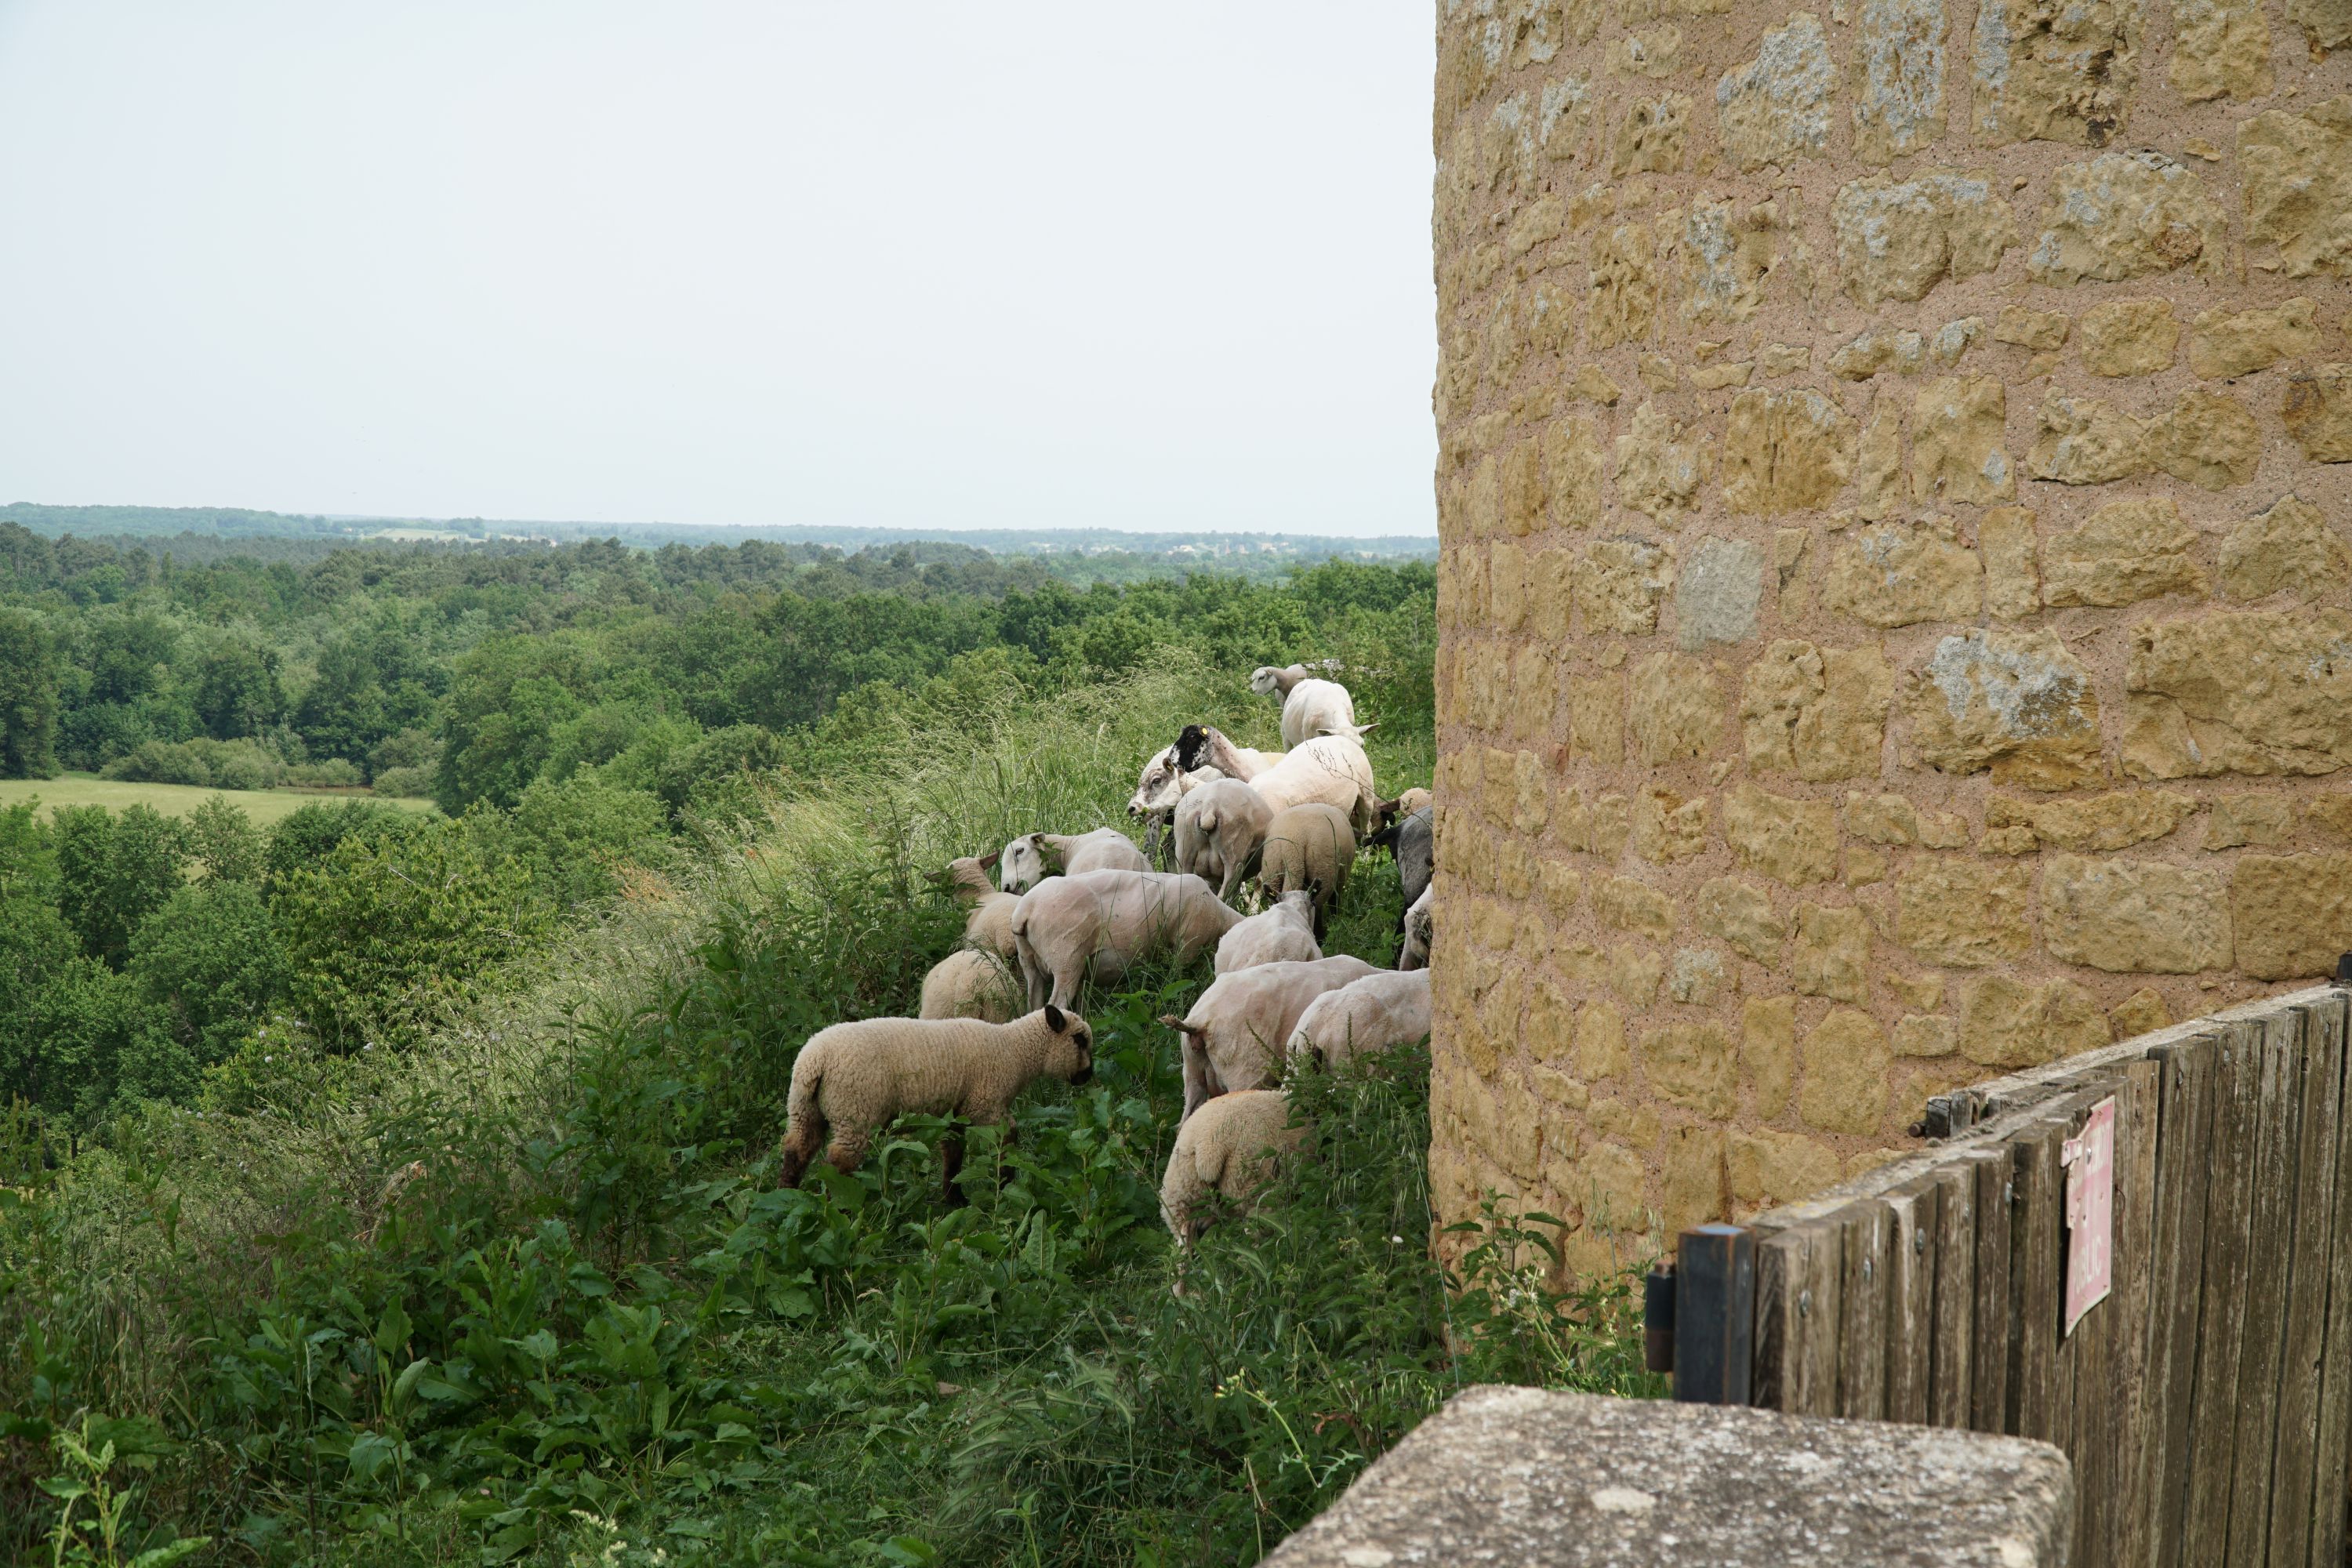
x: 1714, y: 1314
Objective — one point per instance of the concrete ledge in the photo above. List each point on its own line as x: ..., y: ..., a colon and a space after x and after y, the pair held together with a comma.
x: 1521, y: 1477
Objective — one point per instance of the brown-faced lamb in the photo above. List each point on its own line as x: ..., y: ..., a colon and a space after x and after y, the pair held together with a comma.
x: 989, y: 925
x: 1419, y: 931
x: 1385, y: 1008
x: 1094, y: 926
x: 1219, y: 829
x: 1231, y: 1147
x: 1310, y: 706
x: 1235, y: 1035
x: 1308, y: 846
x: 971, y: 984
x: 852, y: 1079
x: 1283, y: 934
x: 1034, y: 856
x: 1332, y: 769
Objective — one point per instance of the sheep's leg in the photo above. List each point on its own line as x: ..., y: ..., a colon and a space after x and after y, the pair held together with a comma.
x: 950, y: 1167
x: 1196, y: 1080
x: 847, y: 1150
x: 801, y: 1143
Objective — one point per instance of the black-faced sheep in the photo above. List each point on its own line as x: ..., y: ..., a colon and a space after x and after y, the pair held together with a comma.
x: 1069, y: 930
x: 1219, y: 828
x: 1309, y: 848
x: 1283, y: 934
x: 1034, y: 856
x: 1230, y: 1147
x: 1416, y: 852
x: 1310, y: 706
x: 971, y: 984
x: 1332, y: 769
x: 1164, y: 784
x: 1235, y: 1035
x: 989, y: 925
x: 852, y: 1079
x: 1387, y: 1007
x: 1419, y: 931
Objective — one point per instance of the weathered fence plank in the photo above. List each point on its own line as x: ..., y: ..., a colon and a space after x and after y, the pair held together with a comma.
x: 1910, y: 1300
x: 2037, y: 1235
x: 1954, y: 1253
x: 1989, y: 1401
x: 2313, y: 1222
x: 1865, y: 1229
x: 1796, y: 1355
x: 2183, y: 1144
x: 2334, y: 1440
x: 2269, y: 1265
x: 2127, y: 1422
x: 2229, y: 1210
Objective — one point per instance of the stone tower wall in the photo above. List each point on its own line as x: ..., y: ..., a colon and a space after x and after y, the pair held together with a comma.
x: 1896, y: 496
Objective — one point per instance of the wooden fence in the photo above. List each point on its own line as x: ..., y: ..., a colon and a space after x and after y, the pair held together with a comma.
x: 2205, y: 1404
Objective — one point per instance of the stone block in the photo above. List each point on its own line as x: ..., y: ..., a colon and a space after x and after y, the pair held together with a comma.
x: 2236, y: 820
x: 1667, y: 828
x: 2129, y: 337
x: 1878, y: 461
x: 2135, y: 917
x: 2126, y: 214
x: 1697, y: 977
x: 2010, y: 550
x: 2290, y: 547
x: 1899, y: 78
x: 1956, y: 442
x: 1653, y: 137
x: 2043, y: 331
x: 2094, y: 824
x: 1622, y: 306
x: 1964, y: 912
x: 1814, y: 713
x: 1728, y: 254
x: 1879, y: 349
x: 2049, y: 71
x: 2297, y: 170
x: 1776, y: 107
x: 1739, y: 913
x: 1596, y: 717
x: 2261, y: 691
x: 1619, y: 584
x: 1785, y: 449
x: 1792, y: 841
x: 1692, y: 1181
x: 1601, y: 1052
x: 2087, y: 441
x: 2125, y: 551
x: 1767, y: 1168
x: 1899, y: 574
x: 2211, y: 441
x: 1630, y: 906
x: 1845, y: 1082
x: 2016, y: 702
x: 2219, y: 47
x: 1660, y: 468
x: 1676, y: 710
x: 1692, y: 1066
x: 1721, y: 590
x: 2317, y: 411
x: 1768, y: 1051
x: 1926, y: 1035
x: 2227, y: 343
x: 2007, y: 1022
x: 1828, y: 954
x: 1899, y: 239
x: 2141, y: 1012
x: 2293, y: 914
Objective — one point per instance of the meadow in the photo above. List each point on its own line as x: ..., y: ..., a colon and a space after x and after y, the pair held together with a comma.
x: 264, y: 807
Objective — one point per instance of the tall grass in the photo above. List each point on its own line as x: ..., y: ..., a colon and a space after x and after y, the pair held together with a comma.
x: 528, y: 1292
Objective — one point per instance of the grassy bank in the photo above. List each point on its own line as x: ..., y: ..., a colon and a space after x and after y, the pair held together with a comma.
x: 266, y: 807
x: 528, y: 1292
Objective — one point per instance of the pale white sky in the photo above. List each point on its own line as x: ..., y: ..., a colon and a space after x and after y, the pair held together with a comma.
x: 932, y: 263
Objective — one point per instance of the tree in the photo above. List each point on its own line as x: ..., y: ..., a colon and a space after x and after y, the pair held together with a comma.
x: 505, y: 701
x: 113, y: 872
x: 224, y: 842
x: 29, y: 697
x: 303, y: 840
x: 211, y: 961
x: 238, y: 692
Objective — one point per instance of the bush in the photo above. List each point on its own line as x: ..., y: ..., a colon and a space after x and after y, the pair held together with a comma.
x: 209, y: 960
x: 202, y: 763
x: 404, y: 783
x: 303, y: 840
x: 115, y: 872
x: 327, y: 772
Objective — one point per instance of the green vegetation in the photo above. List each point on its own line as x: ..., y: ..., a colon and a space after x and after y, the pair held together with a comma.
x: 263, y: 809
x: 398, y: 1189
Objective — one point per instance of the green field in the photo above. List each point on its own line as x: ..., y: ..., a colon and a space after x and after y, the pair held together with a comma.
x: 265, y: 807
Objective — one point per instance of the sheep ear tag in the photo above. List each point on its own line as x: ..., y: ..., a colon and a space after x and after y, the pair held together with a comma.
x: 1053, y: 1018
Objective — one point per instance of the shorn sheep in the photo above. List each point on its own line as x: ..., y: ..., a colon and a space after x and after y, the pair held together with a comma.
x: 852, y: 1079
x: 1232, y: 1148
x: 1163, y: 784
x: 1310, y: 706
x: 971, y: 984
x: 1312, y: 847
x: 1386, y: 1008
x: 1219, y: 829
x: 989, y: 925
x: 1283, y: 934
x: 1069, y: 930
x: 1416, y: 852
x: 1235, y: 1036
x: 1332, y: 769
x: 1034, y: 856
x: 1419, y: 933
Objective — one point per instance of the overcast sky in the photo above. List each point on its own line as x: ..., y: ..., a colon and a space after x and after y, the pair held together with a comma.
x: 930, y: 263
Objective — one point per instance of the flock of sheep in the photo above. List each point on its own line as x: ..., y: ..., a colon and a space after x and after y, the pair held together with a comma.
x: 1073, y: 909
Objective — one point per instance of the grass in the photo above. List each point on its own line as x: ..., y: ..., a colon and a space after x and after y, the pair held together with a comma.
x: 529, y: 1293
x: 264, y: 807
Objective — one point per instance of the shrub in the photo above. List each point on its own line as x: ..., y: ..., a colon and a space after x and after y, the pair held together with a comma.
x: 113, y: 872
x: 209, y: 960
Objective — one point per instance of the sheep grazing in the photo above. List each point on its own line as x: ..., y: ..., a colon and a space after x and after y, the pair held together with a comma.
x: 1219, y: 829
x: 1416, y: 852
x: 1387, y: 1007
x: 1236, y: 1033
x: 852, y: 1079
x: 1310, y: 706
x: 1284, y: 934
x: 988, y: 925
x: 1329, y: 768
x: 1095, y: 926
x: 1419, y: 933
x: 1034, y: 856
x: 1231, y: 1147
x: 1163, y: 782
x: 1309, y: 847
x: 969, y: 983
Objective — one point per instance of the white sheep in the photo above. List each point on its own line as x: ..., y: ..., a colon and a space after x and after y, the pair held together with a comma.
x: 1095, y: 926
x: 1308, y: 846
x: 987, y: 925
x: 1283, y: 934
x: 1310, y: 706
x: 1332, y: 769
x: 1162, y: 784
x: 851, y: 1079
x: 971, y: 984
x: 1419, y: 931
x: 1034, y: 856
x: 1219, y: 828
x: 1385, y: 1008
x: 1235, y: 1035
x: 1231, y: 1147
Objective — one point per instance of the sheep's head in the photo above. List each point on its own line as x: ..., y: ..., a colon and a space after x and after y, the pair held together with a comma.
x: 1159, y: 786
x: 1299, y: 904
x: 1070, y: 1046
x: 1191, y: 743
x: 1023, y: 863
x: 1265, y: 680
x: 1420, y: 933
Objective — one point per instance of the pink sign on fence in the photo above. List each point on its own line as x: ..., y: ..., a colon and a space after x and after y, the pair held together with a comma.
x: 2090, y: 1162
